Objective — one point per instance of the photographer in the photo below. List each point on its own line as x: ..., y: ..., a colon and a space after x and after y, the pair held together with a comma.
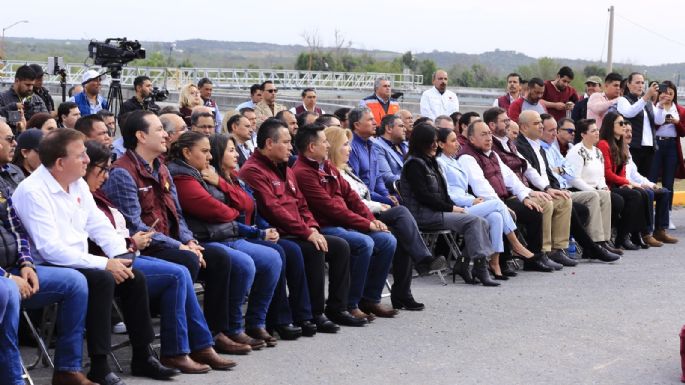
x: 144, y: 99
x: 18, y: 104
x: 41, y: 91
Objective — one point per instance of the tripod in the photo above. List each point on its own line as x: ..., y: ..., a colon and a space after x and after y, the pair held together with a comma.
x: 114, y: 97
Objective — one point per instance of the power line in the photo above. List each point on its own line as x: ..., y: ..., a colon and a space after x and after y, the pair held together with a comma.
x: 651, y: 31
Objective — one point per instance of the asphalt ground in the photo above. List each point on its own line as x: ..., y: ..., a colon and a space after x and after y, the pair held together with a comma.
x: 593, y: 324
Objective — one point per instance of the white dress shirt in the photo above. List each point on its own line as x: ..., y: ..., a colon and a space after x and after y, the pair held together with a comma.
x: 630, y: 110
x: 588, y: 167
x: 666, y: 130
x: 539, y: 177
x: 482, y: 188
x: 434, y: 104
x: 60, y: 223
x: 634, y: 176
x: 531, y: 173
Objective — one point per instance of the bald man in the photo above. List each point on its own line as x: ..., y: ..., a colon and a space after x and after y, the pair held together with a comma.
x: 438, y: 100
x: 408, y: 120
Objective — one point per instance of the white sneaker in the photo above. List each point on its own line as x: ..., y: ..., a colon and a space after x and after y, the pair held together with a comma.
x: 671, y: 225
x: 119, y: 328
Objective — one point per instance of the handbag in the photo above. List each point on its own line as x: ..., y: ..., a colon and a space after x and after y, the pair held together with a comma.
x: 212, y: 232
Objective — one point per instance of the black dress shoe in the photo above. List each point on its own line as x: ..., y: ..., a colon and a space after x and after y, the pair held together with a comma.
x: 545, y: 259
x: 536, y: 264
x: 603, y: 255
x: 430, y: 264
x: 628, y: 245
x: 308, y: 327
x: 343, y: 317
x: 507, y: 271
x: 407, y: 304
x: 610, y: 248
x: 152, y: 368
x: 462, y: 268
x: 109, y: 379
x: 288, y: 332
x: 559, y: 256
x: 638, y: 241
x: 324, y: 325
x: 498, y: 277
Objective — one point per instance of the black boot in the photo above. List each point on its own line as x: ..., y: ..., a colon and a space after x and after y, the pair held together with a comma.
x: 480, y: 272
x: 462, y: 268
x: 626, y: 243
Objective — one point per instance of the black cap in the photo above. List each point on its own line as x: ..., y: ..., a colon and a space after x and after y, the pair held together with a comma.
x: 29, y: 139
x: 37, y: 69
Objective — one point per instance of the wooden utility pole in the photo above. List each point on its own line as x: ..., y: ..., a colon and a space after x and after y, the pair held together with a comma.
x: 610, y: 51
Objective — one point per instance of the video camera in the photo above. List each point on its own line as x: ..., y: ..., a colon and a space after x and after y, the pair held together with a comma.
x: 115, y: 51
x: 159, y: 95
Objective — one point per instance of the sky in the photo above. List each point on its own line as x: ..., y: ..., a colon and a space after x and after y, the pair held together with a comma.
x: 571, y: 29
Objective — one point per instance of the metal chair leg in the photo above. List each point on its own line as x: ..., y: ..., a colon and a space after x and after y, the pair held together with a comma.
x: 43, y: 354
x: 25, y: 375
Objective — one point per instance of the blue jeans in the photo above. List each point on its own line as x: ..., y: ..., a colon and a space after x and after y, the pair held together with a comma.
x: 69, y: 288
x: 665, y: 164
x: 370, y: 258
x: 10, y: 359
x: 255, y: 269
x: 498, y: 217
x: 284, y: 308
x: 183, y: 326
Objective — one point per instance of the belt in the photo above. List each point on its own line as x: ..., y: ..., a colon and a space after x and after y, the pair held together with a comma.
x: 664, y: 137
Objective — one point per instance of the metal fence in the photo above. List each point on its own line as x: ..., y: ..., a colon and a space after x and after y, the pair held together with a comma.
x: 231, y: 78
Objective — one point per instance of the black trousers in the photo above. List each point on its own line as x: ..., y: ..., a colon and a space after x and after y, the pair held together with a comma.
x: 135, y: 307
x: 633, y: 216
x: 617, y: 204
x: 216, y: 278
x: 529, y: 219
x: 338, y: 258
x: 643, y: 157
x: 410, y: 248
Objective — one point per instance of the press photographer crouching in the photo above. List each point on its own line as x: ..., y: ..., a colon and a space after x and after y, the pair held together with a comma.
x: 145, y: 96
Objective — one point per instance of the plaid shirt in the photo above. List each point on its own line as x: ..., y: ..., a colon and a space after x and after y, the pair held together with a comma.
x: 14, y: 226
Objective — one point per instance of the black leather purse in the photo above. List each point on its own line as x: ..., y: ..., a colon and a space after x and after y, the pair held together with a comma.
x: 213, y: 232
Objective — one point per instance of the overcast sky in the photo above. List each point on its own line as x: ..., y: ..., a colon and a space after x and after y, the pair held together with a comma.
x: 573, y: 29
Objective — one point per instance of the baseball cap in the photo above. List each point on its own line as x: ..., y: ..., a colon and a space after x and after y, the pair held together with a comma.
x: 88, y: 76
x: 594, y: 79
x: 29, y: 139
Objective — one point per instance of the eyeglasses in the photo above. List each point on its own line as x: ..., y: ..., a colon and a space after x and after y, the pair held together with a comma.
x: 571, y: 131
x: 622, y: 123
x: 10, y: 139
x: 272, y: 91
x: 103, y: 169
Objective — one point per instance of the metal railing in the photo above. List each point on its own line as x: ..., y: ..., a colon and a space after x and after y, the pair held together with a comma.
x: 230, y: 78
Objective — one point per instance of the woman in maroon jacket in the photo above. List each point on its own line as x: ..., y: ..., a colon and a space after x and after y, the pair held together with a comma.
x: 632, y: 218
x: 255, y: 268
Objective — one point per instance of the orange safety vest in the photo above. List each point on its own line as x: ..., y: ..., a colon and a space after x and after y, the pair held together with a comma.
x: 372, y: 103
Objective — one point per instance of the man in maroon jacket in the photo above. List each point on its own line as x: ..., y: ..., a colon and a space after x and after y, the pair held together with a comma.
x: 341, y: 212
x: 282, y: 204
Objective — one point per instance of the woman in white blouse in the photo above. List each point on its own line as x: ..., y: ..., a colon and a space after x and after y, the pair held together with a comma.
x: 494, y: 211
x: 410, y: 245
x: 665, y: 161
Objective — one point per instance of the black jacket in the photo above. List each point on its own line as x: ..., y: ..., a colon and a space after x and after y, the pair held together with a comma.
x: 526, y: 150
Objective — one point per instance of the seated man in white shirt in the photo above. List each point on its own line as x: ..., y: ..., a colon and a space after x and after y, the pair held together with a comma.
x: 60, y: 216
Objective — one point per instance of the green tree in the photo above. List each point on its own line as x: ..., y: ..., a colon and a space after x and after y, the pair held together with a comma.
x: 155, y: 59
x: 427, y: 67
x: 594, y: 70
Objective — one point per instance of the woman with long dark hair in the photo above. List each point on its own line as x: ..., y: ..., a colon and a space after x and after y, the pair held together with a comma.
x: 291, y: 301
x: 424, y: 192
x: 667, y: 118
x: 255, y: 268
x: 633, y: 221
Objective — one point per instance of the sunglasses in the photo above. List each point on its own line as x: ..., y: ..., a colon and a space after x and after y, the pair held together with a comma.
x: 623, y: 123
x: 272, y: 91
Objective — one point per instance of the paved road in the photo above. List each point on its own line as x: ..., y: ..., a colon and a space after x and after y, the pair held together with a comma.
x: 593, y: 324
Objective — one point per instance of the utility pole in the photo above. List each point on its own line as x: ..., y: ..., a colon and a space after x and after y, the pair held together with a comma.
x: 610, y: 51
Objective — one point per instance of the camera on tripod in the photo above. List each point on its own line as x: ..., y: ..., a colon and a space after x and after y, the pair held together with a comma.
x: 159, y: 95
x: 115, y: 51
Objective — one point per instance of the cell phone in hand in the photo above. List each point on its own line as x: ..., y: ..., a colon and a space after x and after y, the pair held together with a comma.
x: 130, y: 256
x: 662, y: 88
x: 13, y: 117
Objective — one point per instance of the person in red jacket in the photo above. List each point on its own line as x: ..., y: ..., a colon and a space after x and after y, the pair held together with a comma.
x: 281, y: 203
x: 633, y: 218
x: 341, y: 212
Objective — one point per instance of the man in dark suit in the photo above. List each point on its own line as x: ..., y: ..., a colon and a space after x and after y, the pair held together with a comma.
x: 242, y: 129
x: 391, y: 147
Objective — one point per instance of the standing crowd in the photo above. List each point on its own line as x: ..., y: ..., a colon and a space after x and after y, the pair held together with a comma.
x: 253, y: 203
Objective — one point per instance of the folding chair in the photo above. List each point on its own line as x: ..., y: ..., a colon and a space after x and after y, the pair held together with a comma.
x: 25, y: 375
x: 47, y: 330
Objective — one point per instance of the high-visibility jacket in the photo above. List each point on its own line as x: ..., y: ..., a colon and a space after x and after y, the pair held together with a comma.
x: 379, y: 108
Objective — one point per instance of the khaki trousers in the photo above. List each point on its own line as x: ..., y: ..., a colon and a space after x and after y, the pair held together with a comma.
x: 556, y: 223
x: 599, y: 204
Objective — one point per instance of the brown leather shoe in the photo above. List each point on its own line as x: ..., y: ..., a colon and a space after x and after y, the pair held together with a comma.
x: 378, y: 309
x: 651, y: 241
x: 361, y: 315
x: 209, y: 357
x: 70, y: 378
x: 185, y: 364
x: 225, y: 345
x: 262, y: 334
x: 662, y: 236
x: 243, y: 338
